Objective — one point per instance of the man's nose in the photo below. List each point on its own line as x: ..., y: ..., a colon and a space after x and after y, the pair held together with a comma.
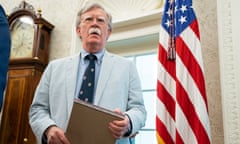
x: 95, y: 21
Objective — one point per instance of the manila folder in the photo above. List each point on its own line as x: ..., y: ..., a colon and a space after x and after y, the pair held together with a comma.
x: 88, y: 124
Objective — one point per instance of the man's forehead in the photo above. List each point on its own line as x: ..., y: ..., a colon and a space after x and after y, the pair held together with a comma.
x: 95, y: 11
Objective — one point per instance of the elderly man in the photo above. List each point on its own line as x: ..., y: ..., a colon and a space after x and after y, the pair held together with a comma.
x: 115, y: 86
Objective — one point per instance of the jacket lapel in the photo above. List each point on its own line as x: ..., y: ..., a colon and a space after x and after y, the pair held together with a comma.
x: 104, y: 75
x: 71, y: 78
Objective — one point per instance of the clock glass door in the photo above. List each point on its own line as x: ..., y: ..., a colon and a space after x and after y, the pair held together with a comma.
x: 22, y: 34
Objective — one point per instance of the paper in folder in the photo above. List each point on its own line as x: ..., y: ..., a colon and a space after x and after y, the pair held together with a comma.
x: 88, y: 124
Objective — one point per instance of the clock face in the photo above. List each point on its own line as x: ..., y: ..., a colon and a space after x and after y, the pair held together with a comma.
x: 22, y: 35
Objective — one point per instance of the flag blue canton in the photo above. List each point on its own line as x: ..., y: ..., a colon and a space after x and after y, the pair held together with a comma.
x: 177, y: 12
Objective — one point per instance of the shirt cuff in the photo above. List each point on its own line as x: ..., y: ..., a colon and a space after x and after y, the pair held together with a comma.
x: 128, y: 133
x: 44, y: 139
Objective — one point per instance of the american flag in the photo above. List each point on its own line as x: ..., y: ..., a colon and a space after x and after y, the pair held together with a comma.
x: 182, y: 110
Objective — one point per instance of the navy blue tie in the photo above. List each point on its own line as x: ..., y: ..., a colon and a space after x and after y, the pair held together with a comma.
x: 87, y: 88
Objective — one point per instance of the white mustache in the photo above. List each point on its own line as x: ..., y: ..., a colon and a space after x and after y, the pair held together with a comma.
x: 94, y: 31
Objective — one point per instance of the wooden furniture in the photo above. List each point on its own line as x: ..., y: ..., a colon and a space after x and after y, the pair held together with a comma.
x: 29, y: 56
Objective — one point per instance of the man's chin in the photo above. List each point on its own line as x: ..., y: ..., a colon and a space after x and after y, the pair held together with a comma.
x: 93, y: 43
x: 94, y: 47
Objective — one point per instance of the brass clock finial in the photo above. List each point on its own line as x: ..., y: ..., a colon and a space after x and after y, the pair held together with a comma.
x: 39, y: 12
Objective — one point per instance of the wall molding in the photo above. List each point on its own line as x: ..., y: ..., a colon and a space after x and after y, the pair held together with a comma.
x: 228, y: 72
x: 136, y: 35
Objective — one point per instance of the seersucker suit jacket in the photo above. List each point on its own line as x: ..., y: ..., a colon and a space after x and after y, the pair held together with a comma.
x: 118, y: 87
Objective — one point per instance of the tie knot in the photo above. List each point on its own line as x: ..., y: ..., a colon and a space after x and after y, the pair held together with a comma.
x: 91, y: 57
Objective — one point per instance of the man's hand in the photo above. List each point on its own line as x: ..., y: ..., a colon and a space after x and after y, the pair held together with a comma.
x: 56, y: 135
x: 119, y: 128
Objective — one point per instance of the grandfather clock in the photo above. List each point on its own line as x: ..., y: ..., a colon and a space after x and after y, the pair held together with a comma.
x: 30, y: 34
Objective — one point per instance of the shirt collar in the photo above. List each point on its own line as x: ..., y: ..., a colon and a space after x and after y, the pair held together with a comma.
x: 99, y: 55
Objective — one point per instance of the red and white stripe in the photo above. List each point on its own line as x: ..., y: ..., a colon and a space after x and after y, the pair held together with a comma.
x: 182, y: 111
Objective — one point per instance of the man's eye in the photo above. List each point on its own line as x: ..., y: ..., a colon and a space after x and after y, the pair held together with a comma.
x: 101, y: 20
x: 89, y: 19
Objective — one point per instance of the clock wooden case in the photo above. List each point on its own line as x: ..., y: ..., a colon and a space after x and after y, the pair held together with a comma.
x: 30, y: 34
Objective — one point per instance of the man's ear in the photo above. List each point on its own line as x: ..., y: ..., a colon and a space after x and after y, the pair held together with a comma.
x: 109, y: 33
x: 78, y: 31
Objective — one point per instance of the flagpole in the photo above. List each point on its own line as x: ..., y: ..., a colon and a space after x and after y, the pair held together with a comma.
x: 171, y: 41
